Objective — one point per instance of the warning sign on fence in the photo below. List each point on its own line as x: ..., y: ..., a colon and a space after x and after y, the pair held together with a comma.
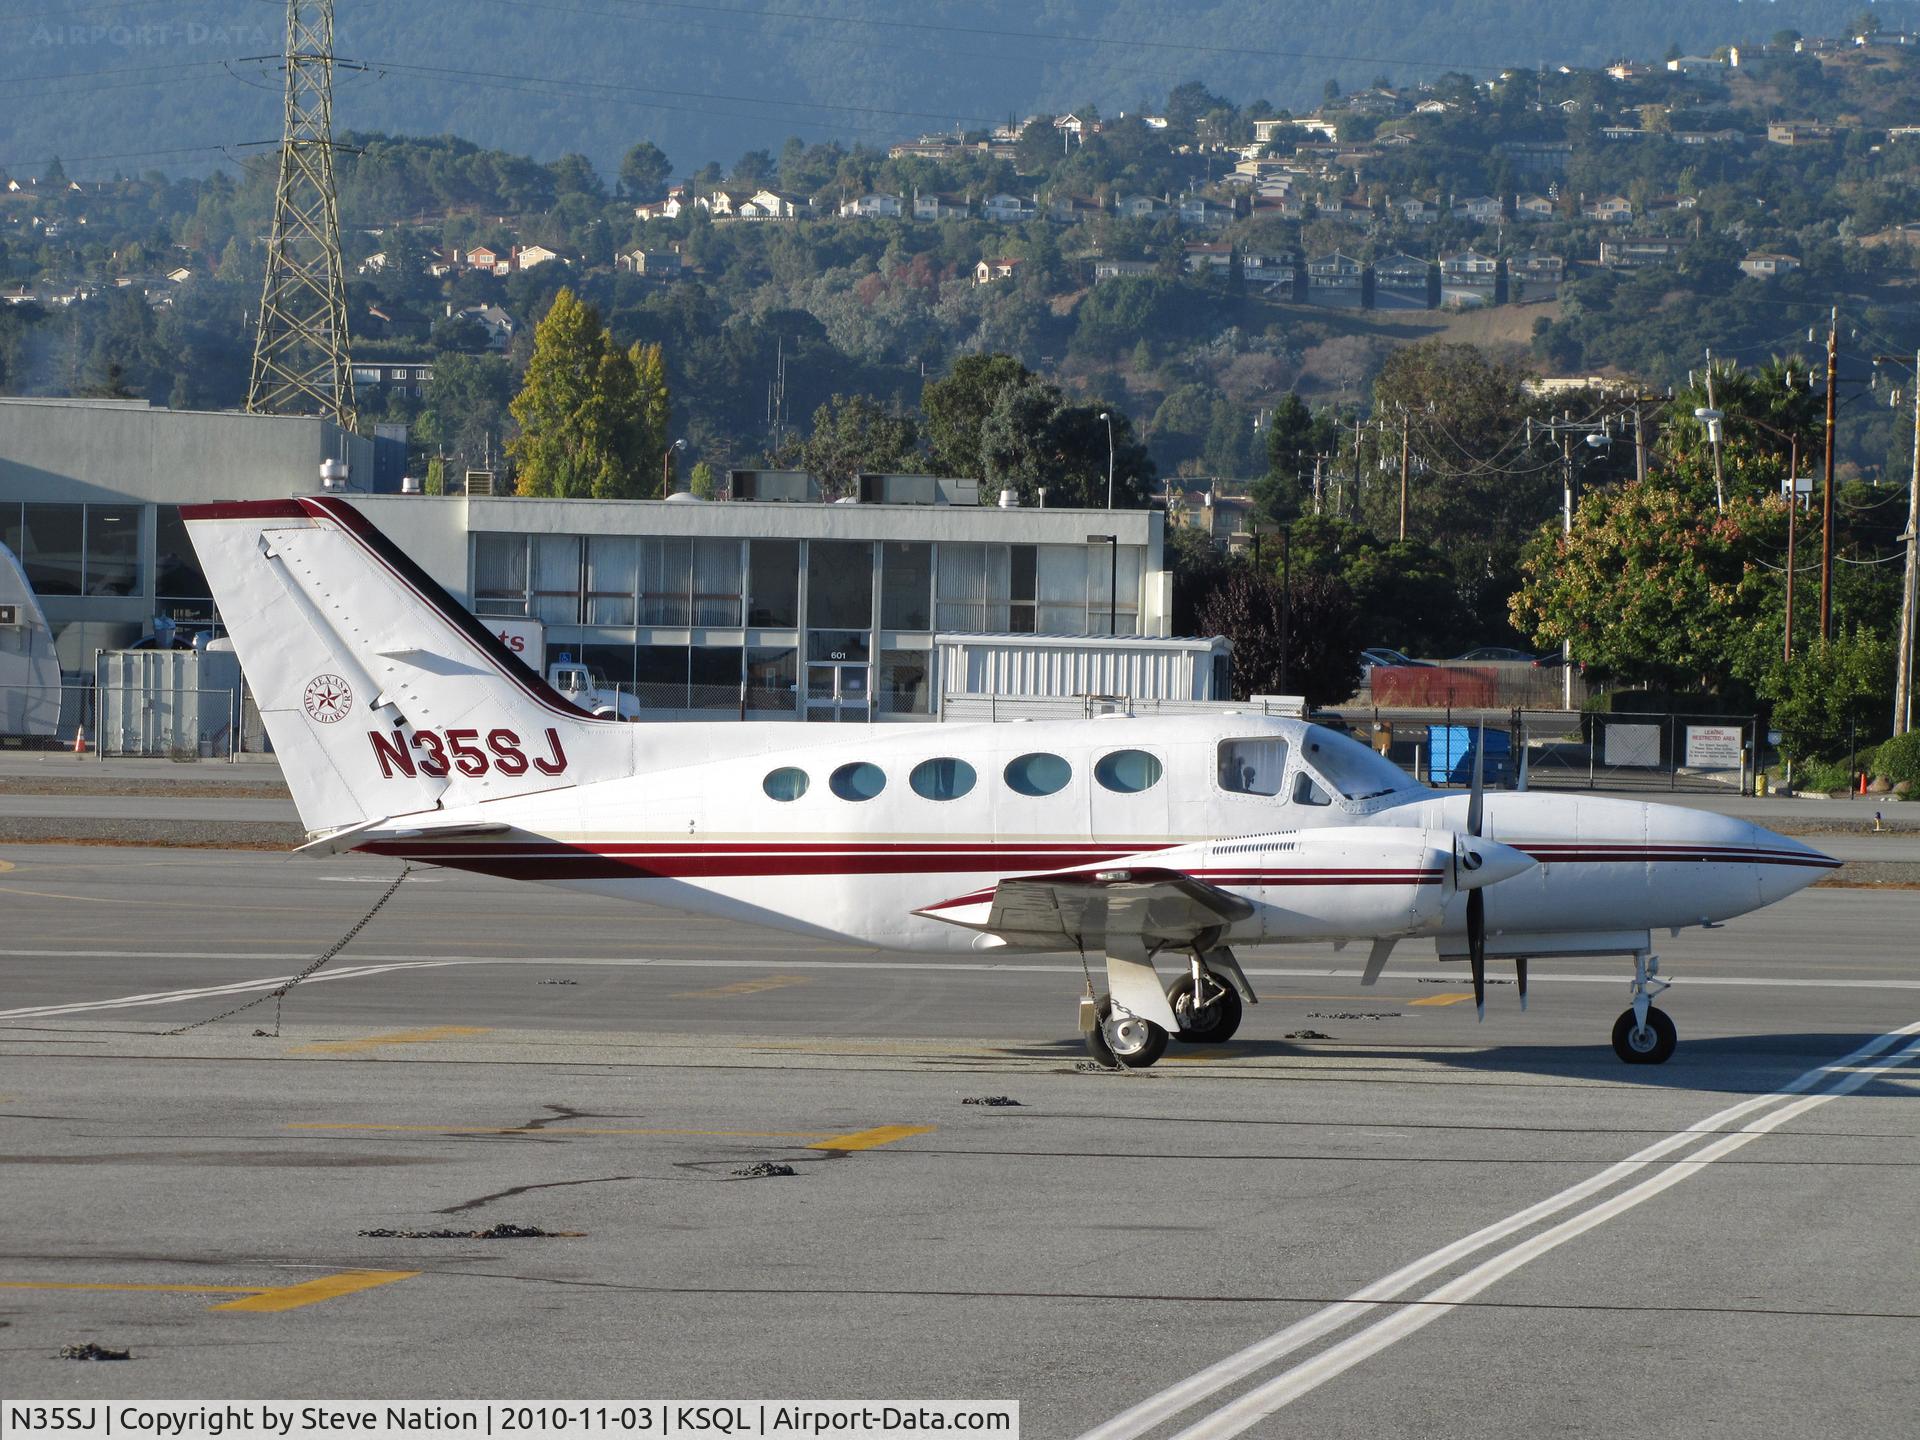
x: 1714, y: 747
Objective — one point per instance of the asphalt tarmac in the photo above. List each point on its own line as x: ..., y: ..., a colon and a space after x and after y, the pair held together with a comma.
x: 1541, y: 1240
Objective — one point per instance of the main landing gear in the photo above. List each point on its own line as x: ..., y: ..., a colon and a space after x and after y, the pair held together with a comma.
x: 1643, y: 1035
x: 1202, y: 1008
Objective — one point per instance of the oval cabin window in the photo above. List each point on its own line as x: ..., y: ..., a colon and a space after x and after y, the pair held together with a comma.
x: 785, y: 784
x: 1038, y: 774
x: 1128, y: 772
x: 862, y: 780
x: 943, y: 779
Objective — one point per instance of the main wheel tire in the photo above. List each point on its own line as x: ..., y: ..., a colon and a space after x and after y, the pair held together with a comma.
x: 1651, y: 1045
x: 1124, y: 1041
x: 1211, y: 1024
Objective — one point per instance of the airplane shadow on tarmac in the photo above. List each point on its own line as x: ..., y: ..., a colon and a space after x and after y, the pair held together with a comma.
x: 1732, y: 1064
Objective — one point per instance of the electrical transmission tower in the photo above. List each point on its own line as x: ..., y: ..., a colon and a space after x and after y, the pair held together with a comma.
x: 301, y: 363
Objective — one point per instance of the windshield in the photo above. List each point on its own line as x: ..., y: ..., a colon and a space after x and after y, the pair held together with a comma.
x: 1349, y: 768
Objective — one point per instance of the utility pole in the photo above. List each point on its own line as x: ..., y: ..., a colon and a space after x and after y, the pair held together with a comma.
x: 1903, y: 673
x: 301, y: 359
x: 1719, y: 480
x: 1793, y: 516
x: 1404, y: 463
x: 1826, y: 495
x: 1639, y: 444
x: 1356, y: 465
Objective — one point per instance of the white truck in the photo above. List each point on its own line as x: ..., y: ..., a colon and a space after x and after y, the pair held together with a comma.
x: 588, y: 688
x: 29, y: 669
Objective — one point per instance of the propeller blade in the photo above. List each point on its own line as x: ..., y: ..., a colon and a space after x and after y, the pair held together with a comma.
x: 1520, y: 976
x: 1477, y: 802
x: 1477, y: 947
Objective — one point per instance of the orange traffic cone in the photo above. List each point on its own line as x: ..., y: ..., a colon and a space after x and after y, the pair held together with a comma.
x: 80, y: 740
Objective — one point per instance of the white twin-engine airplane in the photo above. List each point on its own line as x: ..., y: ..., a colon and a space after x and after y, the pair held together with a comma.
x: 405, y: 728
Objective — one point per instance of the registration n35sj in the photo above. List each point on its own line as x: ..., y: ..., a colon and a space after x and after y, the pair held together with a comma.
x: 1168, y: 845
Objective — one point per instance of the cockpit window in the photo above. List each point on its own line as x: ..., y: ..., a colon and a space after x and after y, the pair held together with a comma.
x: 1349, y: 768
x: 1254, y: 766
x: 1307, y: 791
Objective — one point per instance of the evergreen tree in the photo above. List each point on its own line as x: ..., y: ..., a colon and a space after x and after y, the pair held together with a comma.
x: 587, y: 423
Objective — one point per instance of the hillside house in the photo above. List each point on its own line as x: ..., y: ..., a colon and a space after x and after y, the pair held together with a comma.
x: 1416, y: 211
x: 931, y: 205
x: 1480, y: 210
x: 1005, y: 209
x: 988, y: 272
x: 877, y: 206
x: 1609, y: 210
x: 1141, y: 207
x: 1117, y: 269
x: 1637, y: 254
x: 659, y: 263
x: 1801, y: 132
x: 1072, y: 209
x: 1766, y: 264
x: 1534, y: 209
x: 1199, y: 210
x: 526, y: 257
x: 1205, y: 257
x: 497, y: 323
x: 1335, y: 279
x: 1468, y: 270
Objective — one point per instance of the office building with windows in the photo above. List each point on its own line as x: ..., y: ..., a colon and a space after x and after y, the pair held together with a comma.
x: 767, y: 608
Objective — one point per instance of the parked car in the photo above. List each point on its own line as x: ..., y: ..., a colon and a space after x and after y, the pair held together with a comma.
x: 1499, y: 653
x: 1380, y: 655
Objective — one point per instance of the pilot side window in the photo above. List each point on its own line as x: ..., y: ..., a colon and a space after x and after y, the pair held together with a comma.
x: 1307, y: 791
x: 1254, y: 766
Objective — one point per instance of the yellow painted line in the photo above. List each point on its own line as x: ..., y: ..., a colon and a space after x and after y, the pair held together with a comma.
x: 255, y: 1298
x: 871, y: 1139
x: 569, y: 1130
x: 1442, y: 999
x: 5, y: 866
x: 397, y: 1037
x: 312, y: 1292
x: 744, y: 987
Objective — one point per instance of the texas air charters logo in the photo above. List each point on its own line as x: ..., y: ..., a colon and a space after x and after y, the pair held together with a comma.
x: 329, y: 698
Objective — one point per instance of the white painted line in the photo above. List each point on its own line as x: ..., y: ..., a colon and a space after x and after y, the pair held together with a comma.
x: 1262, y: 1401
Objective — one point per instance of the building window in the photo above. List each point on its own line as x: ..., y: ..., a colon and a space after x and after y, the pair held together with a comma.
x: 906, y: 682
x: 1038, y: 775
x: 556, y: 579
x: 177, y: 573
x: 773, y: 584
x: 840, y: 585
x: 660, y: 676
x: 666, y: 566
x: 613, y: 663
x: 714, y: 675
x: 1252, y: 767
x: 716, y: 582
x: 499, y: 574
x: 785, y: 784
x: 1022, y: 568
x: 51, y: 542
x: 906, y: 586
x: 113, y: 550
x: 1127, y: 772
x: 973, y: 589
x: 613, y: 579
x: 861, y: 780
x: 773, y: 678
x: 944, y: 779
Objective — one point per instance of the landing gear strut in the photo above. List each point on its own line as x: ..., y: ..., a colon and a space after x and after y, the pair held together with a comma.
x: 1130, y: 1026
x: 1206, y: 1005
x: 1643, y: 1035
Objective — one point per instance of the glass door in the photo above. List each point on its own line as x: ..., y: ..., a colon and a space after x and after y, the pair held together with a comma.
x: 838, y: 692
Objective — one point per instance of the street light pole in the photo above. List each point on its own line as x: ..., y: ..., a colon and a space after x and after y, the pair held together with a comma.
x: 1107, y: 415
x: 1826, y: 493
x: 666, y: 468
x: 1903, y: 673
x: 1793, y: 517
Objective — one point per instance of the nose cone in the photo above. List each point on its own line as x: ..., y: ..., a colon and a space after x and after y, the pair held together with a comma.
x: 1480, y: 862
x: 1786, y: 865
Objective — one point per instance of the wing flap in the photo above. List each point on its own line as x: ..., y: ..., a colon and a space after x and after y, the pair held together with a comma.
x: 1156, y: 905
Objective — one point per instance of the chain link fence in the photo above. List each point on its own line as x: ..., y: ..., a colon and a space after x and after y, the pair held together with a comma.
x: 1555, y: 749
x: 36, y: 717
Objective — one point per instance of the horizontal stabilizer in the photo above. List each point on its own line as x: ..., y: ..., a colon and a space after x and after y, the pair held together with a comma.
x: 354, y: 836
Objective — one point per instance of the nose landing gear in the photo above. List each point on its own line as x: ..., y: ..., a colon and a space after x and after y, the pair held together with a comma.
x: 1643, y: 1035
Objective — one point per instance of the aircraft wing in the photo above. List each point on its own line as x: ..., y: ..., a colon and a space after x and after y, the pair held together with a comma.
x: 1080, y: 906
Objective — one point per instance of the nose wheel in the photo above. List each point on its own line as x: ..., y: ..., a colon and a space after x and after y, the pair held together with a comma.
x: 1643, y: 1035
x: 1648, y: 1042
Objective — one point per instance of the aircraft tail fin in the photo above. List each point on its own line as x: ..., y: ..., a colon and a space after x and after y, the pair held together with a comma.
x: 382, y: 694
